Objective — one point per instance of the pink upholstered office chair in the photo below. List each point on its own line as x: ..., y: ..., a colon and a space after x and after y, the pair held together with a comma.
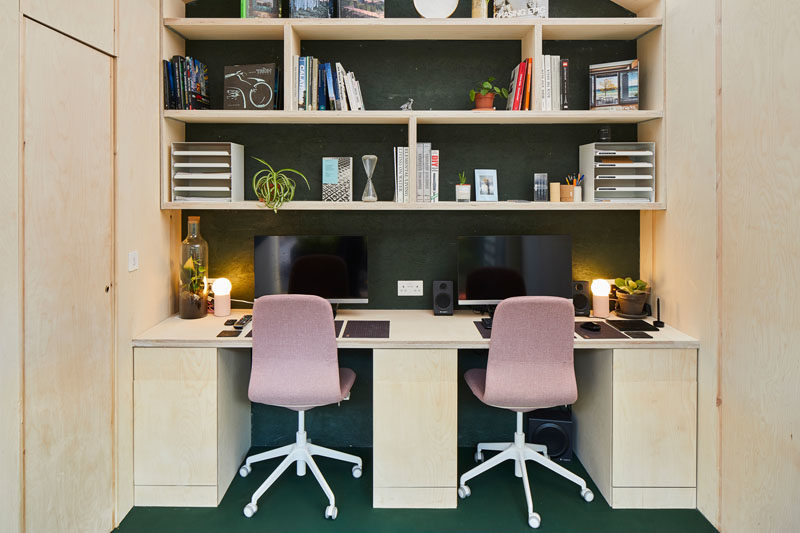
x: 530, y: 367
x: 295, y: 365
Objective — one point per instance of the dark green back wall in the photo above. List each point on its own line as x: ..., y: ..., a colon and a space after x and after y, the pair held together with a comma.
x: 412, y: 245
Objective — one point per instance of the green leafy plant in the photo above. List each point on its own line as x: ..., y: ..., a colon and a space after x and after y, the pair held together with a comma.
x: 275, y: 187
x: 195, y: 275
x: 462, y: 178
x: 628, y: 286
x: 487, y: 87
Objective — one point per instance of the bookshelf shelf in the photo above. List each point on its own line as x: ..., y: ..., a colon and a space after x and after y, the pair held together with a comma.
x: 411, y: 29
x: 421, y: 117
x: 438, y: 206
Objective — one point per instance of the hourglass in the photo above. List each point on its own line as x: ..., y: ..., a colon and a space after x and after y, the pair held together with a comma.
x: 370, y: 162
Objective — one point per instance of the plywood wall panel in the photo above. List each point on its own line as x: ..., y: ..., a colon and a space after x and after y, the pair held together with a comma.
x: 760, y: 266
x: 89, y: 21
x: 68, y: 242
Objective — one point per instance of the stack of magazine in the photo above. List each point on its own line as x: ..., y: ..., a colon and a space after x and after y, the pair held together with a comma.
x: 325, y: 86
x: 427, y: 173
x: 185, y: 84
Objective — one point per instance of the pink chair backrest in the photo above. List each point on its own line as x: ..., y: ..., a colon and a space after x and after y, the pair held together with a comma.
x: 530, y: 353
x: 295, y: 362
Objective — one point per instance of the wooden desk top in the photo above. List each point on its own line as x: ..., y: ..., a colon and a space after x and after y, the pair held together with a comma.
x: 416, y: 328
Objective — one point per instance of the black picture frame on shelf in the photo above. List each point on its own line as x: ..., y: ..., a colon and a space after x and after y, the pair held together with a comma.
x: 261, y: 9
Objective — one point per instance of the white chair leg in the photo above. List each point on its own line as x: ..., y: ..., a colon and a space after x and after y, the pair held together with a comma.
x: 320, y: 479
x: 333, y: 454
x: 505, y: 455
x: 525, y: 482
x: 271, y: 454
x: 494, y: 446
x: 539, y: 448
x: 555, y: 467
x: 292, y: 457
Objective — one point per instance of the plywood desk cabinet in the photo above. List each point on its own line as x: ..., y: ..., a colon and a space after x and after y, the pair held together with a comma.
x: 636, y: 413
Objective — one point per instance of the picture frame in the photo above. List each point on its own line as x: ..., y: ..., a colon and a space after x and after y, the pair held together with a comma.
x: 485, y: 185
x: 260, y: 9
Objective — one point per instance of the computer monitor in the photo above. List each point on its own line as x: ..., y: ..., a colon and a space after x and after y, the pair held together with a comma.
x: 495, y: 267
x: 333, y: 267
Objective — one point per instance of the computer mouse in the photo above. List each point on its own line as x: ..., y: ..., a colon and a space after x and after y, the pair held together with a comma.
x: 591, y: 326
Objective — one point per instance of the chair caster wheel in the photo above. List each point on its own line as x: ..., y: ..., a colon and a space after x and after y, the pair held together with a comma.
x: 244, y: 470
x: 464, y: 492
x: 356, y: 471
x: 534, y: 520
x: 587, y: 495
x: 478, y: 457
x: 331, y: 512
x: 250, y: 509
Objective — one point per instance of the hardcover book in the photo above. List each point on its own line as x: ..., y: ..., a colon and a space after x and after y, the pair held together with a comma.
x: 261, y: 8
x: 614, y: 85
x: 361, y: 9
x: 250, y: 87
x: 311, y: 8
x: 337, y: 179
x: 521, y: 8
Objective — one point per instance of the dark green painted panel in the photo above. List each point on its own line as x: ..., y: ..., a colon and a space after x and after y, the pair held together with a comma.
x: 405, y: 8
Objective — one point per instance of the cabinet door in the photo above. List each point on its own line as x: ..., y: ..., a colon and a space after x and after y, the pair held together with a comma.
x: 90, y: 21
x: 655, y: 418
x: 68, y: 183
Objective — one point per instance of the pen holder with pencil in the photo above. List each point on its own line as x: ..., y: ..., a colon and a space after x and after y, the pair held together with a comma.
x: 567, y: 193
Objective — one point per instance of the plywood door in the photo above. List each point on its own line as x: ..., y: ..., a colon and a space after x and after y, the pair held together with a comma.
x: 90, y: 21
x: 68, y: 184
x: 414, y: 428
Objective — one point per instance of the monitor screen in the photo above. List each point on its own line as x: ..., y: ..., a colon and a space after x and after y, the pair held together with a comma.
x: 493, y: 268
x: 333, y: 267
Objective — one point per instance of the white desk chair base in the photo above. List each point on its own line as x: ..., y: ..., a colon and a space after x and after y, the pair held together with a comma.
x: 520, y: 451
x: 300, y: 452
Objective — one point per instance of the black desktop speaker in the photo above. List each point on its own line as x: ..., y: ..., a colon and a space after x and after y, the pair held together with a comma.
x: 580, y: 298
x: 554, y: 429
x: 442, y: 297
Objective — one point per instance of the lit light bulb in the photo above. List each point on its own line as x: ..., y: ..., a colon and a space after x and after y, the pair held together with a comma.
x: 600, y: 291
x: 222, y: 296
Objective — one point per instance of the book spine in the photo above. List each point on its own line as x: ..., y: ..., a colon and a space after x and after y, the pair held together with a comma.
x: 518, y: 87
x: 340, y: 79
x: 434, y: 175
x: 565, y: 84
x: 512, y: 87
x: 548, y: 84
x: 402, y: 157
x: 316, y: 84
x: 331, y: 91
x: 396, y: 175
x: 301, y: 82
x: 336, y: 97
x: 426, y: 180
x: 323, y: 97
x: 420, y: 171
x: 528, y: 80
x: 351, y: 91
x: 360, y: 96
x: 556, y: 83
x: 542, y: 84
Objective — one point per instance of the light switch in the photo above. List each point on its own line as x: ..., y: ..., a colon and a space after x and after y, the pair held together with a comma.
x: 133, y: 261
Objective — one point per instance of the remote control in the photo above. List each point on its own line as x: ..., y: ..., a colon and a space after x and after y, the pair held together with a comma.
x: 230, y: 322
x: 242, y: 322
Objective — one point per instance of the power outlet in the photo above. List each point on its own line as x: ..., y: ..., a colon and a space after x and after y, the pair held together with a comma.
x: 409, y: 288
x: 133, y: 261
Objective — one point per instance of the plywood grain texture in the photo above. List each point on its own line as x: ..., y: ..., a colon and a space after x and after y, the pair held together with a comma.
x: 68, y: 290
x: 760, y: 233
x: 11, y: 285
x: 100, y: 33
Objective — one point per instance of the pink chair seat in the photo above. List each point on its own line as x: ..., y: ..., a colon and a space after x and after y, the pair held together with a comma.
x: 346, y: 379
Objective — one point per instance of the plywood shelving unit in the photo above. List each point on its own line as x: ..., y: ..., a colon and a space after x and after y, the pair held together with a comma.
x: 646, y: 29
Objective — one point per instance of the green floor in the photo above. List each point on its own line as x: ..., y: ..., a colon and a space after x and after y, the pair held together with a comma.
x: 295, y: 504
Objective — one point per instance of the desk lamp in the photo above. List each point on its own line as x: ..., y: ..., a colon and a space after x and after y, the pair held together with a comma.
x: 222, y: 296
x: 600, y: 291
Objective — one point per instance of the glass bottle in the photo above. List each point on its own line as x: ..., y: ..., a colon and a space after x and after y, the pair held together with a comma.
x: 193, y: 299
x: 369, y: 162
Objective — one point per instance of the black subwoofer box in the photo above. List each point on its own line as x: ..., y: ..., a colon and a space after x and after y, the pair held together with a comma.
x: 554, y: 429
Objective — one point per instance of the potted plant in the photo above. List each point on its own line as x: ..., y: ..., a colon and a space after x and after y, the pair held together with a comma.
x: 275, y: 187
x: 462, y: 188
x: 631, y: 295
x: 484, y: 96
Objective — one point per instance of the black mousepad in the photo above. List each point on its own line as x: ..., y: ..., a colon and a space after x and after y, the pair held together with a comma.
x: 606, y: 332
x: 337, y: 324
x: 485, y: 333
x: 229, y: 333
x: 632, y: 325
x: 367, y: 329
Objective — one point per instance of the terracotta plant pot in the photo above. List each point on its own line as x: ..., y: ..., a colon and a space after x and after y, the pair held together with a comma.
x: 631, y: 304
x: 484, y: 101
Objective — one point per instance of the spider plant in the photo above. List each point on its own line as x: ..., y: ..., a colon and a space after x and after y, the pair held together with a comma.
x: 275, y: 187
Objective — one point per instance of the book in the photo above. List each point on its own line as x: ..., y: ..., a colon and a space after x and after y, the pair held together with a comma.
x: 548, y: 84
x: 512, y: 87
x: 322, y: 88
x: 167, y: 91
x: 521, y: 8
x: 301, y: 83
x: 396, y: 175
x: 520, y: 85
x: 434, y: 196
x: 426, y: 176
x: 261, y: 8
x: 314, y: 84
x: 555, y: 88
x: 337, y: 179
x: 528, y: 84
x: 250, y: 87
x: 420, y: 172
x: 349, y: 9
x: 330, y: 88
x: 350, y: 88
x: 564, y: 83
x: 614, y: 85
x: 404, y: 176
x: 310, y: 8
x: 341, y: 94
